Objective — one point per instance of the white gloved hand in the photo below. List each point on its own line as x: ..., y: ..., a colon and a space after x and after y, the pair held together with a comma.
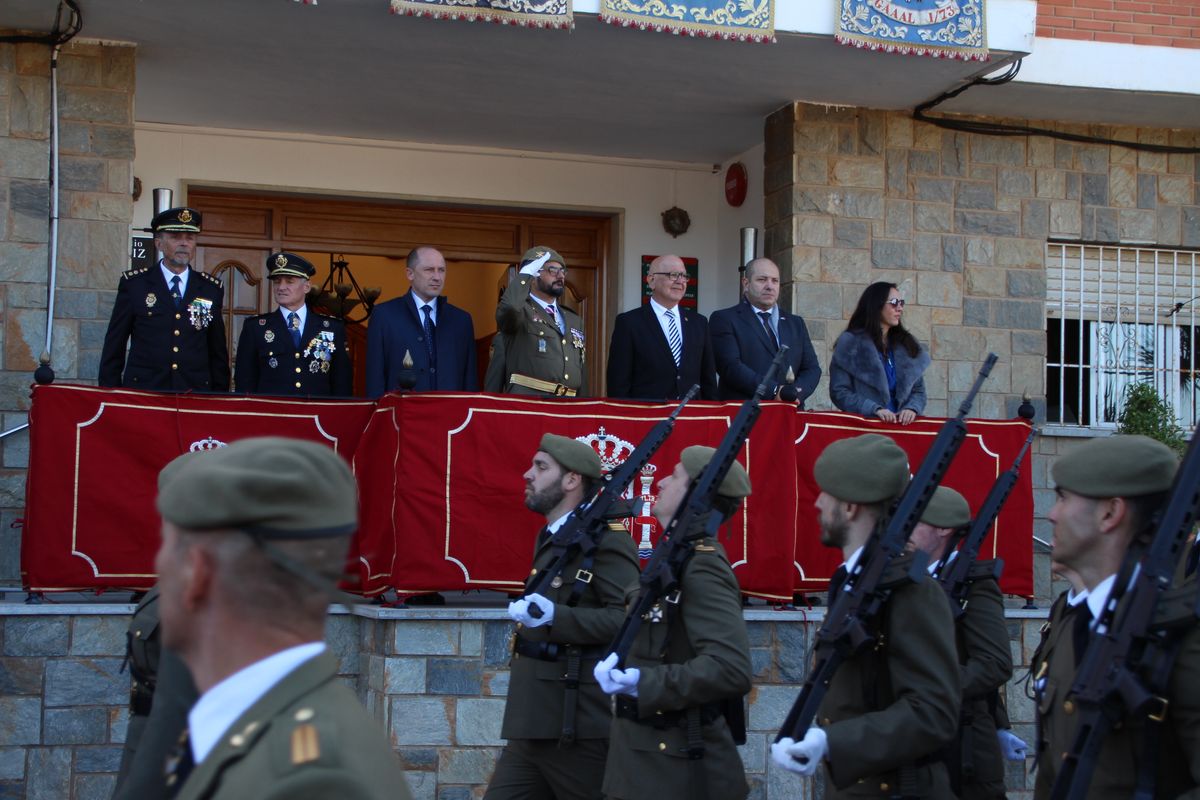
x: 1012, y: 746
x: 544, y: 605
x: 534, y: 267
x: 802, y: 757
x: 518, y: 610
x: 616, y: 681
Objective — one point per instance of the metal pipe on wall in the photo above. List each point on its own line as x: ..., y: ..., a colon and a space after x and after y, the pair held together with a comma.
x: 749, y: 253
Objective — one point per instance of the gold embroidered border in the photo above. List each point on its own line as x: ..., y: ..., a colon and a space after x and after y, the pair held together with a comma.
x: 526, y: 13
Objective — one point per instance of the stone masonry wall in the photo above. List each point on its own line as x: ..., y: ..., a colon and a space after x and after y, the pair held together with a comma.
x: 436, y: 680
x: 960, y: 222
x: 95, y: 207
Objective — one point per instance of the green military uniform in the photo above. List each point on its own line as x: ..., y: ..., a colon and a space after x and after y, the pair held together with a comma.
x: 307, y: 737
x: 981, y: 634
x: 160, y: 696
x: 694, y: 659
x: 536, y: 349
x: 556, y: 719
x: 890, y: 709
x: 1055, y: 650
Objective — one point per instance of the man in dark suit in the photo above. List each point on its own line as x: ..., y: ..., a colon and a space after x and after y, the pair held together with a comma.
x: 660, y: 350
x: 292, y: 350
x: 746, y: 337
x: 170, y: 316
x: 439, y: 338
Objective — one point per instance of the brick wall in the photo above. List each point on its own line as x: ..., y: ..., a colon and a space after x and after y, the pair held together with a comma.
x: 96, y: 85
x: 436, y: 680
x: 1152, y: 22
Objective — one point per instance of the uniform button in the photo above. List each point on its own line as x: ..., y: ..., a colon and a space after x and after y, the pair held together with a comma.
x: 566, y: 358
x: 883, y: 787
x: 566, y: 377
x: 176, y: 331
x: 662, y: 746
x: 237, y: 740
x: 304, y: 715
x: 297, y: 384
x: 297, y: 369
x: 174, y: 366
x: 533, y: 572
x: 178, y: 316
x: 175, y: 349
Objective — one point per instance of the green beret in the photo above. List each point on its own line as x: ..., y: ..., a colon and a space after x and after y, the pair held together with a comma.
x: 736, y: 484
x: 534, y: 253
x: 947, y: 509
x: 865, y: 469
x: 184, y: 220
x: 572, y: 455
x: 1116, y: 466
x: 271, y: 487
x: 290, y: 264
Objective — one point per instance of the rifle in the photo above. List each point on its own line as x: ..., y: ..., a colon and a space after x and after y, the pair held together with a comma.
x: 955, y: 576
x: 850, y: 613
x: 585, y: 525
x: 661, y: 575
x: 1129, y: 658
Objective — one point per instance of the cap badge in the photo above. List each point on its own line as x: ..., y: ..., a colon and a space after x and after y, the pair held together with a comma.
x: 185, y: 216
x: 281, y: 261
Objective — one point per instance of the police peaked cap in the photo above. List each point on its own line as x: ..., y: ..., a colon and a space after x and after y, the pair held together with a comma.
x: 283, y: 263
x: 184, y: 220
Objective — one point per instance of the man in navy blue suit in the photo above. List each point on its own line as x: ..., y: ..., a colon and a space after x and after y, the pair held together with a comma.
x: 439, y: 337
x: 746, y: 337
x: 660, y: 350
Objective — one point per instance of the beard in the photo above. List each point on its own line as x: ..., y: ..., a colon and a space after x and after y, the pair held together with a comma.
x: 544, y: 501
x: 550, y: 286
x: 833, y: 529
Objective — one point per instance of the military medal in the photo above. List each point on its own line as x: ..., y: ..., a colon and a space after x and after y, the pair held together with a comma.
x: 269, y: 336
x: 541, y: 345
x: 272, y: 362
x: 314, y: 366
x: 557, y: 582
x: 200, y: 312
x: 151, y: 300
x: 577, y: 338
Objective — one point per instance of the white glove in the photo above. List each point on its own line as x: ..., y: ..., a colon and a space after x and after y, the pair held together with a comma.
x: 534, y: 267
x: 1012, y: 746
x: 518, y: 610
x: 802, y: 757
x: 616, y: 681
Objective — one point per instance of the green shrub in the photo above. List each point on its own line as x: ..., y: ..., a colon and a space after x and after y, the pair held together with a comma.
x: 1148, y: 414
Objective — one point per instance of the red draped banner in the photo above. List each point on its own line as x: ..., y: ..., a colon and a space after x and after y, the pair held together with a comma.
x: 440, y: 483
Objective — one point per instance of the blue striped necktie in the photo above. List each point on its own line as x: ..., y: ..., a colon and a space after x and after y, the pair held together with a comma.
x: 673, y: 337
x: 294, y: 328
x: 430, y: 349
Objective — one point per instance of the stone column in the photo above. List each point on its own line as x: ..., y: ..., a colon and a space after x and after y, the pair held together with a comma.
x: 95, y: 88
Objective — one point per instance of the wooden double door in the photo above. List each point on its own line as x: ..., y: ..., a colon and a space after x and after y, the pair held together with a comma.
x: 374, y: 238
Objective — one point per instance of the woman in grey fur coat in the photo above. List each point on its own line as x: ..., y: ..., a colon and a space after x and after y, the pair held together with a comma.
x: 877, y: 366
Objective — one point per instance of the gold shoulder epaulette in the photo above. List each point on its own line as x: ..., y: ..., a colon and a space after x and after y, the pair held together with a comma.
x: 129, y: 273
x: 616, y: 526
x: 705, y: 548
x: 212, y: 278
x: 306, y: 745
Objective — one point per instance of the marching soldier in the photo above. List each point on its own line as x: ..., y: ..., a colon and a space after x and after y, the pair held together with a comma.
x: 544, y: 349
x: 170, y: 316
x: 891, y: 708
x: 1109, y: 492
x: 974, y: 760
x: 556, y: 719
x: 292, y: 350
x: 255, y: 536
x: 679, y: 702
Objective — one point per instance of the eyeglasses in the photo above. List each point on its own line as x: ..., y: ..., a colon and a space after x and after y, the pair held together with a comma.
x: 672, y: 276
x: 555, y: 270
x: 898, y: 302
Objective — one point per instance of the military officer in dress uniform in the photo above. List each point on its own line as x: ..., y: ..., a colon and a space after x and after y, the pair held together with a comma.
x: 679, y: 702
x: 1109, y: 491
x: 255, y: 536
x: 973, y: 759
x: 161, y: 694
x: 891, y: 708
x: 556, y: 719
x: 170, y: 316
x: 292, y: 350
x: 544, y: 345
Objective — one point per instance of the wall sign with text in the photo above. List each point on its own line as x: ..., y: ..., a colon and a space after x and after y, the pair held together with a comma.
x: 141, y: 252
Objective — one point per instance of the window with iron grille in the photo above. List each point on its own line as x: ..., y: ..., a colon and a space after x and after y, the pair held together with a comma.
x: 1118, y: 315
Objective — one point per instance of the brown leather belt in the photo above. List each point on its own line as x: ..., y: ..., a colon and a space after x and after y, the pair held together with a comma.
x: 549, y: 387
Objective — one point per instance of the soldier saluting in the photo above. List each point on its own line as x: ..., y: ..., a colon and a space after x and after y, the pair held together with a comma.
x: 170, y: 316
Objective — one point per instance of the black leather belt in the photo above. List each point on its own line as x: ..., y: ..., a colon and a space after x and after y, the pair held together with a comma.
x: 627, y: 708
x: 552, y: 651
x: 141, y: 699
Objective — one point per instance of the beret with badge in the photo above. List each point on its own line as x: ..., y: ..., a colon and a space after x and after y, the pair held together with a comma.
x: 1116, y: 466
x: 736, y: 484
x: 947, y: 509
x: 271, y: 487
x: 181, y: 220
x: 285, y: 264
x: 864, y: 469
x: 535, y: 253
x: 572, y: 455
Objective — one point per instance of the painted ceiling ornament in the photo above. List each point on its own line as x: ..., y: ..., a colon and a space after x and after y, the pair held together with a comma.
x: 937, y: 28
x: 738, y: 20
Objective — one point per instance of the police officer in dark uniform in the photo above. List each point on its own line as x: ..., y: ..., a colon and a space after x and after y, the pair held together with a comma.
x: 292, y: 350
x: 170, y: 315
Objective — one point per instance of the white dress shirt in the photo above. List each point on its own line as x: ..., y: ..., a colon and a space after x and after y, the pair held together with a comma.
x: 660, y: 312
x: 167, y: 275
